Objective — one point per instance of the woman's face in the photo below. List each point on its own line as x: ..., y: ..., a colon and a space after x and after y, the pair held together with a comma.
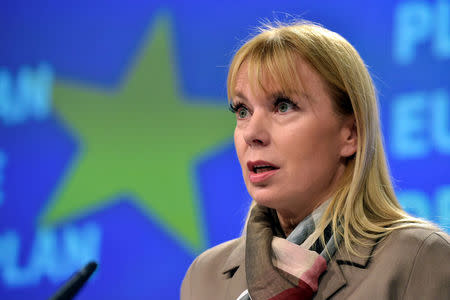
x: 290, y: 147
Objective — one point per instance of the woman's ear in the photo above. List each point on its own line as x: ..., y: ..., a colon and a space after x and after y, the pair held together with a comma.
x: 349, y: 134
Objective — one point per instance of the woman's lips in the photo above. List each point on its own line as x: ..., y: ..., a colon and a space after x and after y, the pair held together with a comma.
x: 260, y: 177
x: 256, y: 175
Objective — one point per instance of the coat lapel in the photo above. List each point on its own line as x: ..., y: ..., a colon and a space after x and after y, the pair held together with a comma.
x: 335, y: 278
x: 332, y: 281
x: 233, y: 271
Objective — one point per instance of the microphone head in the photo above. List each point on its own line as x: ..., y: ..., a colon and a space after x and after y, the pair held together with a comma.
x: 89, y: 268
x: 76, y: 282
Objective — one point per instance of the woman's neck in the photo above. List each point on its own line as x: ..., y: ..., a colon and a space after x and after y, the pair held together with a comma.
x: 288, y: 224
x: 288, y: 220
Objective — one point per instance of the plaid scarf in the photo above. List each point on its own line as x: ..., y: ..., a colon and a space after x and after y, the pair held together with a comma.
x: 279, y: 268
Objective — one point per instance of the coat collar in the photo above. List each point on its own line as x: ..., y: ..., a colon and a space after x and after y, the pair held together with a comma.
x: 330, y: 283
x: 335, y: 278
x: 236, y: 257
x: 365, y: 250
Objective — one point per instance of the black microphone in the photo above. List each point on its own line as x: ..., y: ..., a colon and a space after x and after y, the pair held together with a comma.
x: 76, y: 282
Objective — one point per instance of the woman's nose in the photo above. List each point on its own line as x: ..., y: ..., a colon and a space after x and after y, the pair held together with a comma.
x: 256, y: 132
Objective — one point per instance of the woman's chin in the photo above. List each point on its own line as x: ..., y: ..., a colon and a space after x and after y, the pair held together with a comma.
x: 266, y: 199
x: 276, y: 199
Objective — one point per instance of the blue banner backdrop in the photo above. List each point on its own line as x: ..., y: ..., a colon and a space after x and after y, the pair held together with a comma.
x: 115, y: 143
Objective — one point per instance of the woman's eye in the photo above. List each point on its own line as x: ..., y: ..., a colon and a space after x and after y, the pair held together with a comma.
x: 242, y: 112
x: 284, y: 106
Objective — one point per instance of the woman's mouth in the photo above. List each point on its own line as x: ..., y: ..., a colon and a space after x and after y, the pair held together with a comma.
x: 261, y: 170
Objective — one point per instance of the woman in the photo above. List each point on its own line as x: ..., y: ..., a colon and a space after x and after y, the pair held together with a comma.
x: 324, y: 222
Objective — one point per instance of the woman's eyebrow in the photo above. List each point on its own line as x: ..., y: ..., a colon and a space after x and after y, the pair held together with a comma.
x: 278, y: 94
x: 290, y: 94
x: 239, y: 94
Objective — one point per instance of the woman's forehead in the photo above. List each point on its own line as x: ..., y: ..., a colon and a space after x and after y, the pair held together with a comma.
x: 271, y: 82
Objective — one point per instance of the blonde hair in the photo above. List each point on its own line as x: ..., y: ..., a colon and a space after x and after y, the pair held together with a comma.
x: 364, y: 208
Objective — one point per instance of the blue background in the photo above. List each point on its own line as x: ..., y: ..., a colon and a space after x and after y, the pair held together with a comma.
x: 406, y: 45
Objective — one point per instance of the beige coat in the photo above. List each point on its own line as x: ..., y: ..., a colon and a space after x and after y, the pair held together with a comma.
x: 408, y: 264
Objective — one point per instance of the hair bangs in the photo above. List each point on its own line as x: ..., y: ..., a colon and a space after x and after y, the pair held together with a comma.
x: 271, y: 67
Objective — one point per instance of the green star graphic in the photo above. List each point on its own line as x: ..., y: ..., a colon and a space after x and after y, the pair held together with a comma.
x: 140, y: 140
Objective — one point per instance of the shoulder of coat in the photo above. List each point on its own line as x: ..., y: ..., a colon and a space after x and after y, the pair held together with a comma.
x: 417, y: 235
x: 225, y: 256
x: 407, y: 239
